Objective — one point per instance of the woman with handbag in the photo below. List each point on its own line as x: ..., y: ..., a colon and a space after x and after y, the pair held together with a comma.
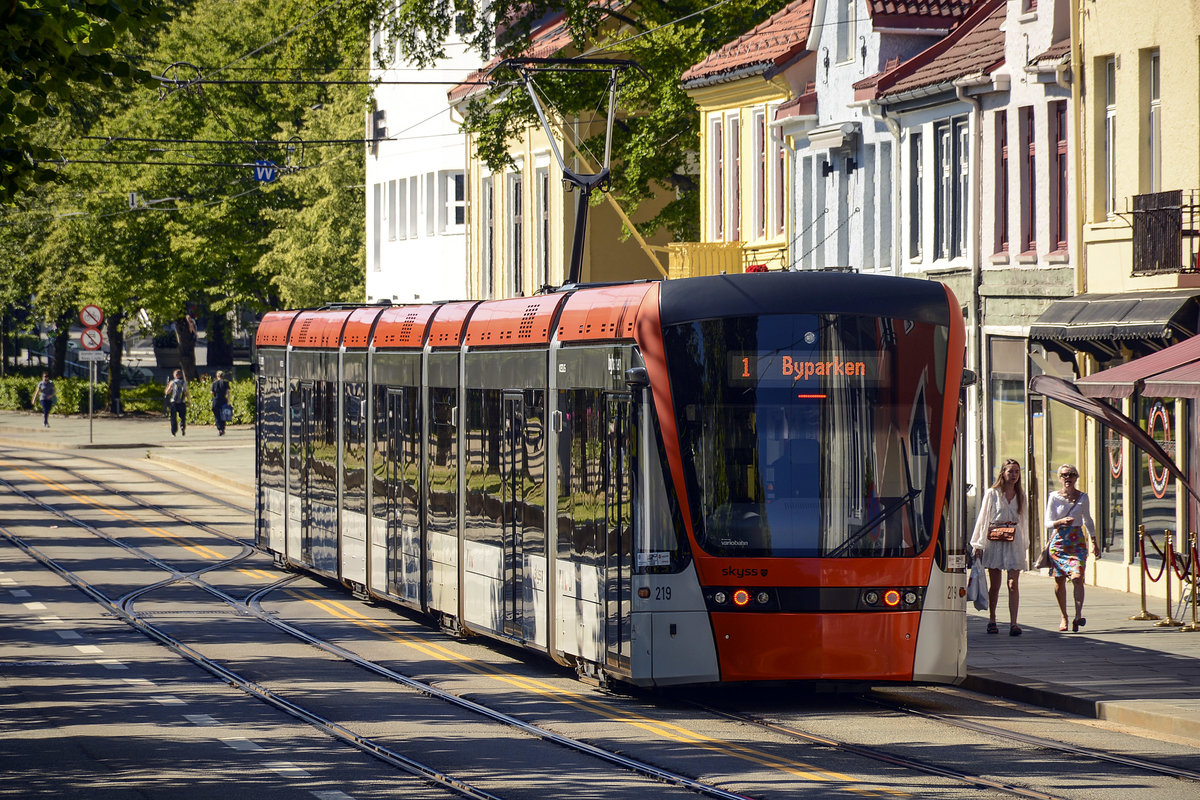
x: 1069, y: 520
x: 1001, y: 541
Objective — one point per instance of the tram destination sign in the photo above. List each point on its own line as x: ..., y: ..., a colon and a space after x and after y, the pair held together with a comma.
x: 772, y: 368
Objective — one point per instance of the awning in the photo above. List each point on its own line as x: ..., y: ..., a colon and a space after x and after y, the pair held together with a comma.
x: 1066, y: 393
x: 1179, y: 382
x: 1101, y: 323
x: 1122, y: 380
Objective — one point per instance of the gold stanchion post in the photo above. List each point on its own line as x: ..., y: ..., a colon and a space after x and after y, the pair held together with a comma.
x: 1143, y: 614
x: 1193, y: 625
x: 1169, y: 620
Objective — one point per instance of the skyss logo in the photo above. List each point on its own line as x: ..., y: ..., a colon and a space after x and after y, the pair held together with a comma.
x: 738, y: 572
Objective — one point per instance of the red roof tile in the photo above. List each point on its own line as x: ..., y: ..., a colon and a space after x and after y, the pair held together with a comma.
x: 804, y: 105
x: 976, y: 47
x: 1057, y: 51
x: 768, y: 46
x: 918, y: 13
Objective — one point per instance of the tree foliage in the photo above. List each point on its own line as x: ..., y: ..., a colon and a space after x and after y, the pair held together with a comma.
x: 657, y: 134
x: 49, y: 49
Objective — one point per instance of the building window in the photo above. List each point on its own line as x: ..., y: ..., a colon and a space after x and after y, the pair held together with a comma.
x: 951, y: 188
x: 760, y: 174
x: 376, y: 224
x: 916, y: 194
x: 807, y: 214
x: 431, y: 204
x: 1061, y: 189
x: 870, y: 197
x: 489, y: 239
x: 390, y: 211
x: 1028, y: 181
x: 1002, y: 178
x: 399, y: 209
x: 1110, y: 136
x: 541, y: 188
x: 452, y: 206
x: 1154, y: 126
x: 845, y: 32
x: 717, y: 156
x: 885, y: 204
x: 778, y: 187
x: 735, y: 179
x: 414, y: 205
x: 516, y: 235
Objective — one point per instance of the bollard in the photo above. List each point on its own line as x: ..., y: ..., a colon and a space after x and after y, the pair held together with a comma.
x: 1143, y: 614
x: 1193, y: 625
x: 1169, y: 620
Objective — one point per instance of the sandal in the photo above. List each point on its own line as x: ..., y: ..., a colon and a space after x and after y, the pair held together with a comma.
x: 1015, y: 630
x: 991, y: 628
x: 1077, y: 624
x: 1062, y: 626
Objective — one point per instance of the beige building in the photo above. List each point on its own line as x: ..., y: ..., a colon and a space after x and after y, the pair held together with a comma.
x: 1136, y: 69
x: 521, y: 220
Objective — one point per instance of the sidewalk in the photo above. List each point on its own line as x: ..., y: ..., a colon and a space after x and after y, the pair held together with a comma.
x: 1127, y: 672
x: 226, y: 461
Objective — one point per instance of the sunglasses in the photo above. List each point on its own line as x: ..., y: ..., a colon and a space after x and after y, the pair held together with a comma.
x: 1068, y: 474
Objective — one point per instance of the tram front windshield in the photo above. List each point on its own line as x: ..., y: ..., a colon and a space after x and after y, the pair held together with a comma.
x: 809, y: 435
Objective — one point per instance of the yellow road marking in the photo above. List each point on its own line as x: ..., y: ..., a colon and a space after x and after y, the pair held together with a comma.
x: 203, y: 551
x: 660, y: 728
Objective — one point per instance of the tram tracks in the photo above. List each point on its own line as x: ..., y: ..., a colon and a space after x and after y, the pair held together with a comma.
x: 251, y: 605
x: 123, y: 608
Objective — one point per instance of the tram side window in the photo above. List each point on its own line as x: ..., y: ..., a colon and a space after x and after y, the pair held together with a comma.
x: 323, y: 441
x: 354, y: 463
x: 659, y: 542
x: 379, y: 440
x: 271, y: 439
x: 484, y: 435
x: 580, y: 476
x: 443, y: 460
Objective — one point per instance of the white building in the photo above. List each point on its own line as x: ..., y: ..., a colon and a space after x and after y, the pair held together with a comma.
x: 416, y: 195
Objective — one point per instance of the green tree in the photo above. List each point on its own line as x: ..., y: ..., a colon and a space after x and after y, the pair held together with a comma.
x: 49, y: 49
x: 657, y: 133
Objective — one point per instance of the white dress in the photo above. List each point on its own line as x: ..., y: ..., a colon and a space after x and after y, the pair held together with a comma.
x: 1001, y: 555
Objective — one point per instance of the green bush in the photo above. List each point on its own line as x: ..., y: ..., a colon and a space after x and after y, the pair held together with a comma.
x: 241, y: 397
x: 17, y: 393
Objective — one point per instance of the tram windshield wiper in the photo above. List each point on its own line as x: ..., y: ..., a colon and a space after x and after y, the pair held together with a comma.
x: 901, y: 502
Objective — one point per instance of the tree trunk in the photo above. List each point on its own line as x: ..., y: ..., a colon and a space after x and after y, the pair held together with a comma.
x: 62, y: 335
x: 220, y: 348
x: 116, y: 349
x: 5, y: 332
x: 185, y: 332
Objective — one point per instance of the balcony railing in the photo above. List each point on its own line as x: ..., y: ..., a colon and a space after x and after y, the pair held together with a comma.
x: 1166, y: 232
x: 691, y: 259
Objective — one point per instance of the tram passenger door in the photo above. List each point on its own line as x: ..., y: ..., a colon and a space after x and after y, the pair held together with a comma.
x: 512, y: 490
x: 403, y: 521
x: 301, y: 457
x: 619, y: 483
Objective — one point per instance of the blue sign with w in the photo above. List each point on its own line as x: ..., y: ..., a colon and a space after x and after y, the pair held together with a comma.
x: 264, y: 171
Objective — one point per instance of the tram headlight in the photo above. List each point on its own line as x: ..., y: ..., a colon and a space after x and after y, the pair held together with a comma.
x: 763, y: 598
x: 910, y: 598
x: 741, y: 597
x: 891, y: 598
x: 871, y: 597
x: 719, y: 598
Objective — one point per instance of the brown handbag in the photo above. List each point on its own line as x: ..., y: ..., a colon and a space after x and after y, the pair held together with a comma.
x: 1002, y: 532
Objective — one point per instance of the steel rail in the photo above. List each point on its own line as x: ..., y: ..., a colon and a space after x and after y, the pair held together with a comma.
x: 252, y: 606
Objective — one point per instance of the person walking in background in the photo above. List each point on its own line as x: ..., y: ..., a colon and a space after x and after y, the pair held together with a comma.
x: 46, y: 396
x: 176, y: 394
x: 1069, y: 520
x: 1001, y: 541
x: 220, y: 401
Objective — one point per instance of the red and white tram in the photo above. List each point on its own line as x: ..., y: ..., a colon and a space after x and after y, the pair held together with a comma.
x: 727, y: 478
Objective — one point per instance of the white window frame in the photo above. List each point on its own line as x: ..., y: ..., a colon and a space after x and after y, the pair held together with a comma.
x: 717, y: 176
x: 733, y: 127
x: 846, y: 32
x: 761, y: 173
x: 488, y: 223
x: 514, y: 215
x: 414, y: 205
x: 389, y: 211
x: 1110, y: 137
x: 377, y: 194
x: 541, y: 224
x: 400, y: 210
x: 1154, y: 124
x: 452, y: 211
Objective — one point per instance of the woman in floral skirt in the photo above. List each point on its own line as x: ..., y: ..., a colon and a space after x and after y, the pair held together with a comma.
x: 1069, y: 520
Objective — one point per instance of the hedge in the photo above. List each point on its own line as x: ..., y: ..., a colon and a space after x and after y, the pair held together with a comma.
x: 16, y: 394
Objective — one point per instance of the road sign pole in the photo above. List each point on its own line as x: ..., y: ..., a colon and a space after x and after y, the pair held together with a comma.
x: 91, y: 388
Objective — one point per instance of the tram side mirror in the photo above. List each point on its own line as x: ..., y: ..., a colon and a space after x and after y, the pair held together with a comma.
x: 637, y: 378
x: 969, y: 378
